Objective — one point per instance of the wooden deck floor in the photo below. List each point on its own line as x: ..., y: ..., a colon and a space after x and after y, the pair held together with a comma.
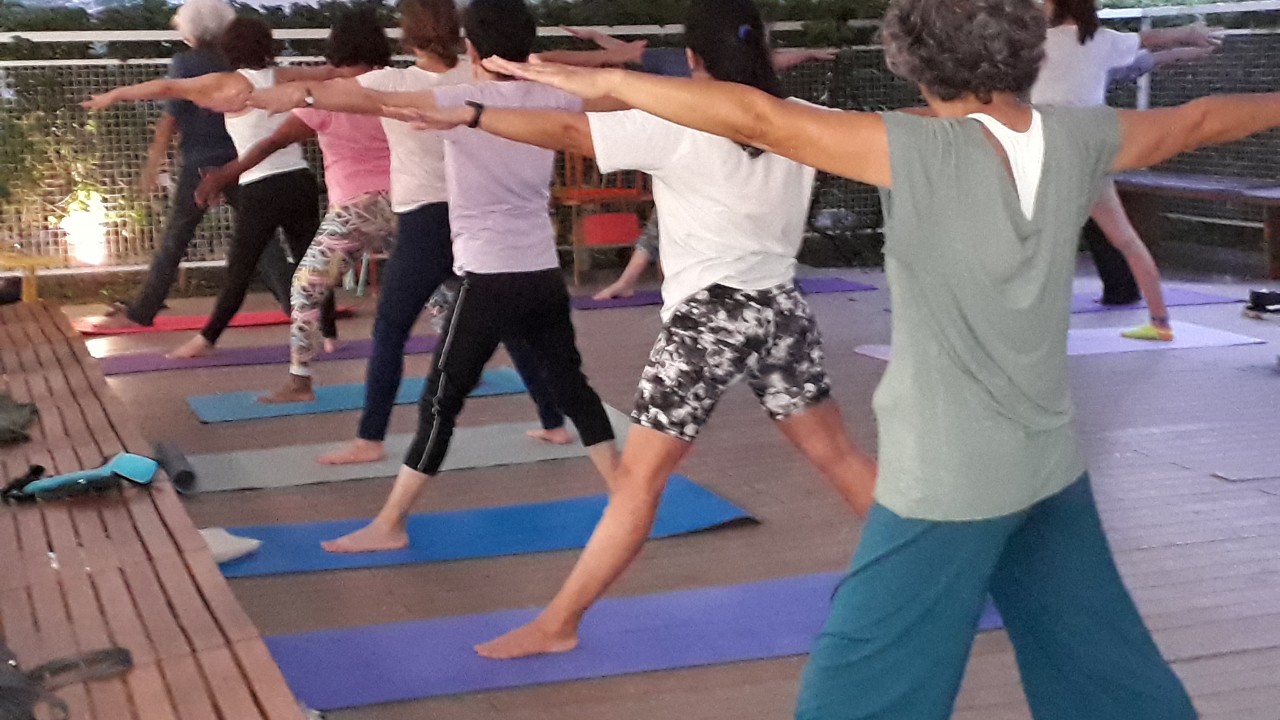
x: 1201, y: 555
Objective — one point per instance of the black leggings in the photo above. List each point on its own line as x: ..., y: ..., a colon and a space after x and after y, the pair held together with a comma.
x: 532, y: 307
x: 289, y: 201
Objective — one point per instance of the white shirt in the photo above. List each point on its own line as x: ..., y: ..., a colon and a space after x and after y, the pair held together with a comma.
x: 1076, y: 75
x: 500, y: 190
x: 723, y: 216
x: 1025, y: 153
x: 252, y: 126
x: 417, y: 158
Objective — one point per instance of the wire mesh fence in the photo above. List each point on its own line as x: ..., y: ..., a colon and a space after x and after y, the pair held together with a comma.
x: 56, y: 159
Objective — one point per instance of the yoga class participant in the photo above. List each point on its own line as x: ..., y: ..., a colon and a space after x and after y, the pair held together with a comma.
x: 356, y: 178
x: 279, y: 193
x: 732, y: 222
x: 1079, y: 56
x: 672, y: 62
x: 981, y: 487
x: 202, y: 142
x: 504, y: 249
x: 422, y: 257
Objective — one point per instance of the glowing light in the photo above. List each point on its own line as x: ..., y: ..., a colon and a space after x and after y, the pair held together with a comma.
x: 86, y: 229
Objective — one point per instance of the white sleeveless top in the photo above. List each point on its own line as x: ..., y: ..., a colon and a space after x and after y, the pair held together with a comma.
x: 252, y: 126
x: 1025, y: 152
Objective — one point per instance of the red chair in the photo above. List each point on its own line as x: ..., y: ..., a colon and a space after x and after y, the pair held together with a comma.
x: 587, y: 193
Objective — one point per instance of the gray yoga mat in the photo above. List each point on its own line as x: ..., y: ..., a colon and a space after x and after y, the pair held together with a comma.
x: 472, y: 447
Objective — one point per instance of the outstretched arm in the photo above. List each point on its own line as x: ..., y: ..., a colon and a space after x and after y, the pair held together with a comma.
x: 850, y: 144
x: 550, y: 129
x: 1153, y: 136
x: 786, y: 58
x: 1193, y: 35
x: 290, y: 131
x: 221, y: 92
x: 345, y: 95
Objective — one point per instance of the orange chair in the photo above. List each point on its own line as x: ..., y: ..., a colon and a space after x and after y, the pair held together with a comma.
x: 585, y: 192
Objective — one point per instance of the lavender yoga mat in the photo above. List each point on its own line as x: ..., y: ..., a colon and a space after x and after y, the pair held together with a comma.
x: 262, y: 355
x: 351, y: 667
x: 807, y: 285
x: 1173, y: 297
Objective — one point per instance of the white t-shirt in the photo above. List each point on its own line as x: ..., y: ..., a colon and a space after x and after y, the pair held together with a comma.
x: 1025, y: 153
x: 417, y: 158
x: 500, y: 190
x: 252, y: 126
x: 1076, y: 75
x: 723, y: 216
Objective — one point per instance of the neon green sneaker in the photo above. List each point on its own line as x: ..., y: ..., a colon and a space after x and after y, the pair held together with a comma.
x: 1149, y: 332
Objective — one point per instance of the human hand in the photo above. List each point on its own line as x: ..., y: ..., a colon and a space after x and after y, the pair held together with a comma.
x: 212, y: 180
x: 1199, y: 35
x: 278, y: 99
x: 586, y: 83
x: 607, y: 42
x: 101, y: 101
x: 432, y: 119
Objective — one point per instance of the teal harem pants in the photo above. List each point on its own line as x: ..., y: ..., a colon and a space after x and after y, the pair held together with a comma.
x: 902, y: 623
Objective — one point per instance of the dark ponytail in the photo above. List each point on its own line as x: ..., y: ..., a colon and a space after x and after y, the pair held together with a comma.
x: 1084, y: 13
x: 730, y: 39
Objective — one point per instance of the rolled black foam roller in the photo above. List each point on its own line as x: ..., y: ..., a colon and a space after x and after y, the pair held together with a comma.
x: 176, y: 465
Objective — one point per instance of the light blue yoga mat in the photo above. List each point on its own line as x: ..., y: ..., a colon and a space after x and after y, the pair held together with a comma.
x: 351, y: 667
x: 229, y: 407
x: 481, y: 533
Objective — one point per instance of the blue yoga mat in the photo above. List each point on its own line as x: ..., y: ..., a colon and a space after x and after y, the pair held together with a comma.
x: 482, y: 533
x: 229, y: 407
x: 350, y: 667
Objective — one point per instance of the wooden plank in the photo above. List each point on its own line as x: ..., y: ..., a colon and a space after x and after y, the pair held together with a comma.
x: 274, y: 695
x: 230, y: 690
x: 151, y: 699
x: 187, y: 603
x: 162, y: 627
x: 52, y: 622
x: 175, y: 517
x: 234, y: 621
x: 188, y: 689
x: 122, y: 615
x: 14, y: 575
x: 110, y: 698
x: 19, y: 623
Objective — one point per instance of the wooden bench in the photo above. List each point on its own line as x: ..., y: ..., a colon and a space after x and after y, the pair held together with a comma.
x: 1142, y: 189
x: 126, y: 568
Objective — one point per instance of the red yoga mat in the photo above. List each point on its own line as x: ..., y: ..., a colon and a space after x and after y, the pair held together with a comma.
x: 195, y: 322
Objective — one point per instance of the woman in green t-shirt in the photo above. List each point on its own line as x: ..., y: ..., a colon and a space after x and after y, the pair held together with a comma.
x: 981, y: 489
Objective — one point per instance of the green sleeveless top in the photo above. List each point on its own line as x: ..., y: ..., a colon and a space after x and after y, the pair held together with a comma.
x: 974, y: 411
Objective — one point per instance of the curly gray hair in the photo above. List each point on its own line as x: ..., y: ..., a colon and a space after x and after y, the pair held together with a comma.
x: 203, y: 20
x: 954, y: 48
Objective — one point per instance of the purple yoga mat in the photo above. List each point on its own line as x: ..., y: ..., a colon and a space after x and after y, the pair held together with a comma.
x: 263, y: 355
x: 807, y: 285
x: 351, y: 667
x: 1173, y: 297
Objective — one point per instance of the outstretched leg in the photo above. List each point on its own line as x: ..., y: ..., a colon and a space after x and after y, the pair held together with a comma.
x: 647, y: 461
x: 469, y: 340
x: 819, y: 433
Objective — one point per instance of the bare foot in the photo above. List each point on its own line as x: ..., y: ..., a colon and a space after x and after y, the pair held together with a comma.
x: 298, y: 390
x: 526, y: 640
x: 555, y: 436
x: 369, y: 538
x: 617, y: 290
x: 99, y: 323
x: 193, y: 348
x: 353, y: 453
x: 330, y: 344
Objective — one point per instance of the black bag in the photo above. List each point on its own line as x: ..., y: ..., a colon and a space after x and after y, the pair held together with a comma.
x: 22, y: 692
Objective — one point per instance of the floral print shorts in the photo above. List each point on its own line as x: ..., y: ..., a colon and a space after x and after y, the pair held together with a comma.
x: 721, y: 334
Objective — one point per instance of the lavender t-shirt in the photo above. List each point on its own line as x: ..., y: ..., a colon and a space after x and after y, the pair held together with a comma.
x: 500, y: 190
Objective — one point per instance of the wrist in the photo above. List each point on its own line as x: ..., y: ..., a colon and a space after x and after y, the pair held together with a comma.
x: 476, y: 111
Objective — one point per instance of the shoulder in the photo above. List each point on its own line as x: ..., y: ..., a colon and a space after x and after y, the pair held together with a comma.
x: 387, y: 78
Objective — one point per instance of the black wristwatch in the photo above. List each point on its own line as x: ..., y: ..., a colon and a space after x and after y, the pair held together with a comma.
x: 478, y: 110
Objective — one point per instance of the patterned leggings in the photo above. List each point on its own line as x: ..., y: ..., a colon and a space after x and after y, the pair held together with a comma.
x: 366, y: 224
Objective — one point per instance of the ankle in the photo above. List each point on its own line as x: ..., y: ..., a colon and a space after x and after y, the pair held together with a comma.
x: 1160, y: 321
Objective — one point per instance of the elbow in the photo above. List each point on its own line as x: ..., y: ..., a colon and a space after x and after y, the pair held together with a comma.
x: 1197, y: 130
x: 576, y: 132
x: 757, y: 124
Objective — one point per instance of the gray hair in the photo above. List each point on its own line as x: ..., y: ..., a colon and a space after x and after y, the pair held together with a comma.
x: 954, y: 48
x: 203, y: 20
